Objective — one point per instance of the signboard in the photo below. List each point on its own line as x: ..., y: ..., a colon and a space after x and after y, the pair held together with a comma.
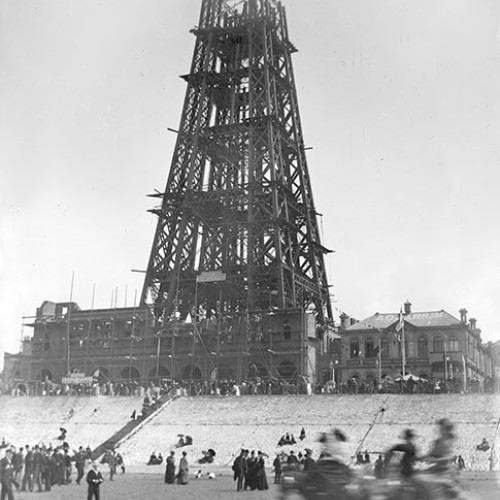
x: 209, y: 276
x: 77, y: 380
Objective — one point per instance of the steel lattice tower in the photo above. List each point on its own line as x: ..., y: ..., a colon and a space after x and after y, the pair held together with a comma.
x: 237, y: 229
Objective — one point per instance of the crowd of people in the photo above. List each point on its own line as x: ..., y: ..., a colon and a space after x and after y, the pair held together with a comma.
x: 41, y: 467
x: 251, y: 386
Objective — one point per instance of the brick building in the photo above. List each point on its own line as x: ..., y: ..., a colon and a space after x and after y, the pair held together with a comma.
x: 436, y: 346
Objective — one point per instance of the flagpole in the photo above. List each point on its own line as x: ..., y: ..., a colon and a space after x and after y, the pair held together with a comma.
x: 403, y: 349
x: 379, y: 360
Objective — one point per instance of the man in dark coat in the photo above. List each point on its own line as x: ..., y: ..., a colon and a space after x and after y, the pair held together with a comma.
x: 240, y: 469
x: 94, y: 479
x: 28, y: 470
x: 80, y: 459
x: 7, y: 475
x: 277, y: 469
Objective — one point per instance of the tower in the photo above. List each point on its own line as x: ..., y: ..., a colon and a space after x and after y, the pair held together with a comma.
x: 237, y: 229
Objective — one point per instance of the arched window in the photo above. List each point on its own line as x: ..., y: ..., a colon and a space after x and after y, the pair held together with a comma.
x: 422, y: 350
x: 454, y: 343
x: 438, y: 344
x: 354, y: 349
x: 369, y: 349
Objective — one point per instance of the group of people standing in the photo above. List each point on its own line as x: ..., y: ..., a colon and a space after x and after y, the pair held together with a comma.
x: 182, y: 476
x: 249, y: 471
x: 39, y: 468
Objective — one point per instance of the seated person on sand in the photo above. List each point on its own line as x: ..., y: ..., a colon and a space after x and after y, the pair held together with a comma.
x: 286, y: 439
x: 484, y: 446
x: 208, y: 457
x: 153, y: 459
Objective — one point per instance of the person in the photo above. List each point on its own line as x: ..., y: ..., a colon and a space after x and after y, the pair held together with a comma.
x: 170, y: 469
x: 18, y: 462
x: 409, y: 453
x: 250, y: 472
x: 120, y: 462
x: 182, y: 475
x: 37, y: 463
x: 260, y: 472
x: 159, y: 459
x: 112, y: 464
x: 378, y: 468
x: 277, y: 469
x: 439, y: 477
x: 94, y: 480
x: 308, y: 460
x: 302, y: 434
x: 211, y: 475
x: 483, y: 446
x: 152, y: 459
x: 7, y: 475
x: 292, y: 461
x: 80, y: 460
x: 332, y: 472
x: 240, y: 469
x: 460, y: 462
x: 67, y: 467
x: 28, y: 470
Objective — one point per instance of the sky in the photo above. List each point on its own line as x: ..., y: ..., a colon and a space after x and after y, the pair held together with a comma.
x: 398, y: 100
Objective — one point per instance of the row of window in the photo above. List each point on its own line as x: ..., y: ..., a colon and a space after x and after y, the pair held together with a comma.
x: 372, y: 347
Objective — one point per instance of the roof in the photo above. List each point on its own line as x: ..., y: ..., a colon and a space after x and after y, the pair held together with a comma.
x: 417, y: 319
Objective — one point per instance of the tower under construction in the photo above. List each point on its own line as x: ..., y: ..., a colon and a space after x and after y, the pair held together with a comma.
x: 237, y: 228
x: 236, y: 285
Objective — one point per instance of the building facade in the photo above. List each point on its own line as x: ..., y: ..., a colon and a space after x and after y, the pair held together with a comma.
x: 129, y: 344
x: 437, y: 346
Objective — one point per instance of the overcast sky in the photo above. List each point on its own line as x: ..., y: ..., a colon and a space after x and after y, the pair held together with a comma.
x: 399, y: 100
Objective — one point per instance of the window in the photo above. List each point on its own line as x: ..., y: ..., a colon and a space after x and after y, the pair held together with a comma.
x: 287, y: 330
x: 422, y: 350
x: 335, y: 346
x: 454, y: 346
x: 384, y: 349
x: 438, y: 344
x: 369, y: 349
x: 354, y: 349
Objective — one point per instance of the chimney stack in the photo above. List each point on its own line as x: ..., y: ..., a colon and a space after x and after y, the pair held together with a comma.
x: 463, y: 315
x: 472, y: 323
x: 344, y: 321
x: 407, y: 306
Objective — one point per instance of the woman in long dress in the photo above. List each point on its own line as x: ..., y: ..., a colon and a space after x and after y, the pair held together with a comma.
x: 170, y: 469
x: 182, y: 475
x: 260, y: 473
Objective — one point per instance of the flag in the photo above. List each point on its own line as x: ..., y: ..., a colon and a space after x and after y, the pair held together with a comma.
x: 401, y: 321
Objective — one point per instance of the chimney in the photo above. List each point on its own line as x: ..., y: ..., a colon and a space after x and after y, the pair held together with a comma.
x: 463, y: 315
x: 472, y: 323
x: 344, y: 321
x: 407, y: 306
